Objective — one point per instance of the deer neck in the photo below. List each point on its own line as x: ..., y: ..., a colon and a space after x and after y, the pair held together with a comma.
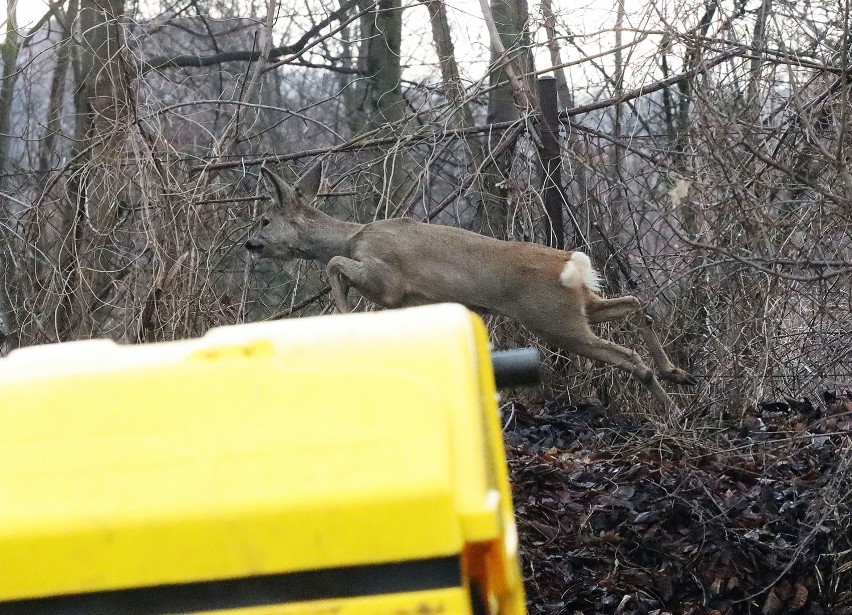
x: 324, y: 237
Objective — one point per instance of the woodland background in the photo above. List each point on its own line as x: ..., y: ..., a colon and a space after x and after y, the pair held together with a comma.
x: 696, y: 149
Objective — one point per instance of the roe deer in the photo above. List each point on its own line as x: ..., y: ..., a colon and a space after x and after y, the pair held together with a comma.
x: 402, y: 262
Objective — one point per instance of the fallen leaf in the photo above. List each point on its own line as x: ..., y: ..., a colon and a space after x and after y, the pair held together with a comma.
x: 772, y: 605
x: 800, y: 597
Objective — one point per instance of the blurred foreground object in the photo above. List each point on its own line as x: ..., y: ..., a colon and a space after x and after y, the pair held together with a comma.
x: 345, y: 464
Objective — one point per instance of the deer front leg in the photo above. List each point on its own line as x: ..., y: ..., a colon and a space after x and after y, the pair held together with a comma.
x: 376, y: 282
x: 340, y: 271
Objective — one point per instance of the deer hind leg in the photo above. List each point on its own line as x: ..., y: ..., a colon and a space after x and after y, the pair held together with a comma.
x: 588, y: 345
x: 604, y: 310
x: 372, y: 281
x: 601, y: 310
x: 668, y: 370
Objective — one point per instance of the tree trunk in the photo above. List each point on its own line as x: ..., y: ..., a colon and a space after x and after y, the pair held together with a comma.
x: 550, y: 154
x: 563, y: 92
x: 510, y: 19
x: 102, y: 103
x: 618, y: 210
x: 752, y: 104
x: 56, y: 104
x: 443, y: 40
x: 103, y: 99
x: 382, y: 33
x: 461, y: 117
x: 9, y: 51
x: 381, y: 106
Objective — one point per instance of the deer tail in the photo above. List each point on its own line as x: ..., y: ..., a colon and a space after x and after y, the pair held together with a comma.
x: 578, y: 273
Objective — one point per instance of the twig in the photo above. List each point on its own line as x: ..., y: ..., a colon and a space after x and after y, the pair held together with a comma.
x: 302, y: 304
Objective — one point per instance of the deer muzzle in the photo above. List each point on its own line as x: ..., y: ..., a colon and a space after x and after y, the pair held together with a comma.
x: 255, y: 246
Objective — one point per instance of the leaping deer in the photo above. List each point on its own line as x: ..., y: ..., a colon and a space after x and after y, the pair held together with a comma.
x: 401, y: 262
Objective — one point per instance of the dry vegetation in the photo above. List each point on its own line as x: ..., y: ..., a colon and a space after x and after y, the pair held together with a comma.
x: 701, y: 159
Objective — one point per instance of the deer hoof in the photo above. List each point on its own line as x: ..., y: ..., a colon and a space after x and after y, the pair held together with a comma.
x: 679, y: 376
x: 645, y: 376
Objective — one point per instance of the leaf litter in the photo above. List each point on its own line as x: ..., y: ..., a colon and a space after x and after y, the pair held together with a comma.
x: 747, y: 514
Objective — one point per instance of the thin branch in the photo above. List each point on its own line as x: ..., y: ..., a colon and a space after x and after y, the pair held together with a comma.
x: 355, y: 144
x: 197, y: 61
x: 649, y: 89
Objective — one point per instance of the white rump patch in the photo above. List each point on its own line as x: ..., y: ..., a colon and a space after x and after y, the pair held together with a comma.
x: 578, y: 272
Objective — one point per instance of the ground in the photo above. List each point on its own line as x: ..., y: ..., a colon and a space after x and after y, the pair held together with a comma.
x: 746, y: 514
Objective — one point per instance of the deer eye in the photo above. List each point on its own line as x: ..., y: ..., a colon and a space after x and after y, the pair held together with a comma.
x: 264, y: 221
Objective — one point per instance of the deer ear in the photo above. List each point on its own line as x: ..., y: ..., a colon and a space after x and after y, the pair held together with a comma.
x: 284, y: 192
x: 309, y: 184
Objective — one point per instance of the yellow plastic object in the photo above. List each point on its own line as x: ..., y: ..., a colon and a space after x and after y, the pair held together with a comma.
x: 345, y: 464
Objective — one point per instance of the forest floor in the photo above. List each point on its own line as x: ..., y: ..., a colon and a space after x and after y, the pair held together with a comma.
x: 748, y: 514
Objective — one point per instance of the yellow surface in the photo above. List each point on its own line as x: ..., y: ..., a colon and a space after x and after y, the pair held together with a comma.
x: 262, y: 448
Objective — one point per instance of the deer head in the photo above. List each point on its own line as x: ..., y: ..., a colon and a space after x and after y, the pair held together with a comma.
x: 284, y: 232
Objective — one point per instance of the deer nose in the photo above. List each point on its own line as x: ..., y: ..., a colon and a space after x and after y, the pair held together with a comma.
x: 254, y: 245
